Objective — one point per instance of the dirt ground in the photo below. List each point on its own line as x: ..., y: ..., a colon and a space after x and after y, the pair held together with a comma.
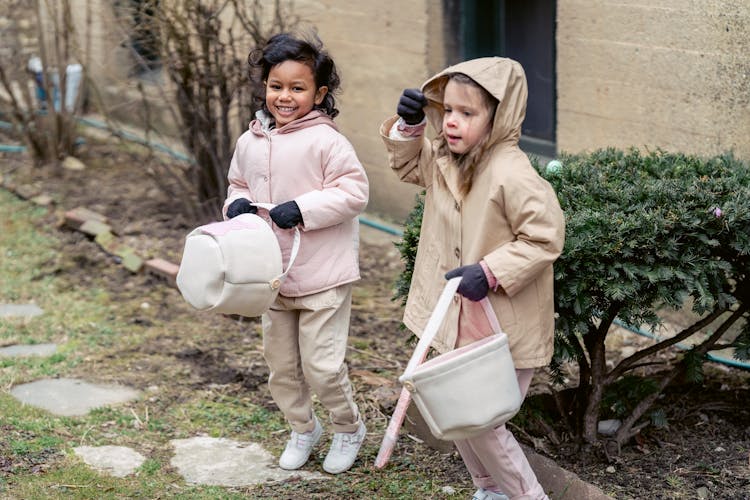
x: 704, y: 452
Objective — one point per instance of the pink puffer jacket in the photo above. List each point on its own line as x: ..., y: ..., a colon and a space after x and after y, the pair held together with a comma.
x: 310, y: 162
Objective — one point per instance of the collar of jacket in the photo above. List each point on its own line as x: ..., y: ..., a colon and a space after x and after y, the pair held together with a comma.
x: 264, y: 123
x: 451, y: 176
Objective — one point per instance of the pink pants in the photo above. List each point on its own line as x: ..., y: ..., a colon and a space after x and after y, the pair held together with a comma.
x: 496, y: 461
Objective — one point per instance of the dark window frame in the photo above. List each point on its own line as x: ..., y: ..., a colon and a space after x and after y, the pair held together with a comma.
x: 476, y: 28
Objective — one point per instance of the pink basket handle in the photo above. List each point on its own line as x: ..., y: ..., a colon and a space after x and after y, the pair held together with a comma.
x: 491, y: 316
x: 436, y: 319
x: 420, y: 353
x: 295, y: 243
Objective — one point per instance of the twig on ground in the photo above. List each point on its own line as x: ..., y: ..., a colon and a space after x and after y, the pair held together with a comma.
x: 395, y: 364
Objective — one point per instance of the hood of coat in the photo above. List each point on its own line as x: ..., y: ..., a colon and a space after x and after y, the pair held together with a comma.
x: 502, y: 77
x: 264, y: 122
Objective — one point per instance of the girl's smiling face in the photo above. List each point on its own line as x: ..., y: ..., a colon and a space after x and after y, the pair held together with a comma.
x: 291, y: 91
x: 466, y: 118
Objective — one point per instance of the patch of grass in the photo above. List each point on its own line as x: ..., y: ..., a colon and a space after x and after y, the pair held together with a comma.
x: 30, y: 255
x: 674, y: 482
x: 228, y: 417
x: 361, y: 344
x: 99, y: 338
x: 150, y: 467
x: 71, y: 478
x: 34, y: 445
x: 21, y: 370
x: 24, y: 250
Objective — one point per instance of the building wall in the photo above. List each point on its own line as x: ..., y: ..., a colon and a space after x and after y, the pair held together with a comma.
x: 673, y: 74
x: 380, y: 48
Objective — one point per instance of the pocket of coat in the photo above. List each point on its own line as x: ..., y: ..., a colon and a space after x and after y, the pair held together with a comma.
x: 506, y: 315
x: 427, y: 274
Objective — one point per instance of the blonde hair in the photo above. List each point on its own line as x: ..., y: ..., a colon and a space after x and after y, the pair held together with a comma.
x: 467, y: 162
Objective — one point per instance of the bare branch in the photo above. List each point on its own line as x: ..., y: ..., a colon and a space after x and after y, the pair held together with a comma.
x: 626, y: 430
x: 628, y: 362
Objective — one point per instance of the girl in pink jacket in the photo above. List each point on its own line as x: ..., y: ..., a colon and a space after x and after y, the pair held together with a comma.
x: 489, y: 218
x: 294, y: 157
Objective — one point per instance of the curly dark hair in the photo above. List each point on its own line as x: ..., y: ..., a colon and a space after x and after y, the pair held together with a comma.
x: 308, y: 50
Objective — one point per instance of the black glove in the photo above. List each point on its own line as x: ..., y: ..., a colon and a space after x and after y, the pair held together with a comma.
x: 473, y: 283
x: 410, y: 106
x: 286, y: 215
x: 240, y: 206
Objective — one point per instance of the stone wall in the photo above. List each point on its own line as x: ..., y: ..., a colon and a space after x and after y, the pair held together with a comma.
x: 673, y: 74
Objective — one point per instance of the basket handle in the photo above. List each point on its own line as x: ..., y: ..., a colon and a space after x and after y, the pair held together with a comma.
x: 491, y: 316
x: 295, y: 243
x: 436, y: 319
x: 420, y: 353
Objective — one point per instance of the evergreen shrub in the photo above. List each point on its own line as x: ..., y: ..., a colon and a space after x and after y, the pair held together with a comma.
x: 645, y: 231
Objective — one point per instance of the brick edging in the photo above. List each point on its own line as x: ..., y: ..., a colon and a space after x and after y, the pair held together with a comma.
x: 95, y: 226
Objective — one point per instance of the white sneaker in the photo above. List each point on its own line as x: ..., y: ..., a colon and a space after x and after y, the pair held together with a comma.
x: 482, y: 494
x: 344, y: 449
x: 299, y: 447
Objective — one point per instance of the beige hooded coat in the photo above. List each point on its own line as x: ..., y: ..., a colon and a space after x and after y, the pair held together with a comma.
x: 511, y: 218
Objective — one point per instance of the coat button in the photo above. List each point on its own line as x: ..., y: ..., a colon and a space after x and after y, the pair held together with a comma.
x: 457, y: 252
x: 456, y: 299
x: 458, y: 207
x: 275, y: 284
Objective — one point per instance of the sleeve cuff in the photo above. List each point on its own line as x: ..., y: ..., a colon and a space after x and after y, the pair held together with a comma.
x: 491, y: 280
x: 402, y: 131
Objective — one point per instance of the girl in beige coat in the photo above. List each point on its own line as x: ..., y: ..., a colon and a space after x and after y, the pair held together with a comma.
x: 490, y: 218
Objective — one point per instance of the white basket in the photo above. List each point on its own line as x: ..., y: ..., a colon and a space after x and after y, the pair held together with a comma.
x: 467, y: 391
x: 233, y: 266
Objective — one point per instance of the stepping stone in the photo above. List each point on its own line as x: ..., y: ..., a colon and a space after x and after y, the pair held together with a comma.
x: 21, y: 310
x: 99, y: 230
x: 71, y: 163
x: 77, y: 216
x: 71, y: 397
x: 25, y: 350
x: 43, y: 200
x: 118, y: 461
x: 27, y: 191
x: 224, y: 462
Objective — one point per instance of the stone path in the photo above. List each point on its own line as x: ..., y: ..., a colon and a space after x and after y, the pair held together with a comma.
x: 20, y: 310
x: 200, y: 460
x: 71, y: 397
x: 26, y: 350
x: 118, y: 461
x: 224, y: 462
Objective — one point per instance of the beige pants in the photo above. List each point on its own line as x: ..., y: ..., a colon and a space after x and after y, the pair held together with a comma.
x: 304, y: 344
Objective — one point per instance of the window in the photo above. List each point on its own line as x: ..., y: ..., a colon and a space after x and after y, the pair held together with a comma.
x: 523, y: 30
